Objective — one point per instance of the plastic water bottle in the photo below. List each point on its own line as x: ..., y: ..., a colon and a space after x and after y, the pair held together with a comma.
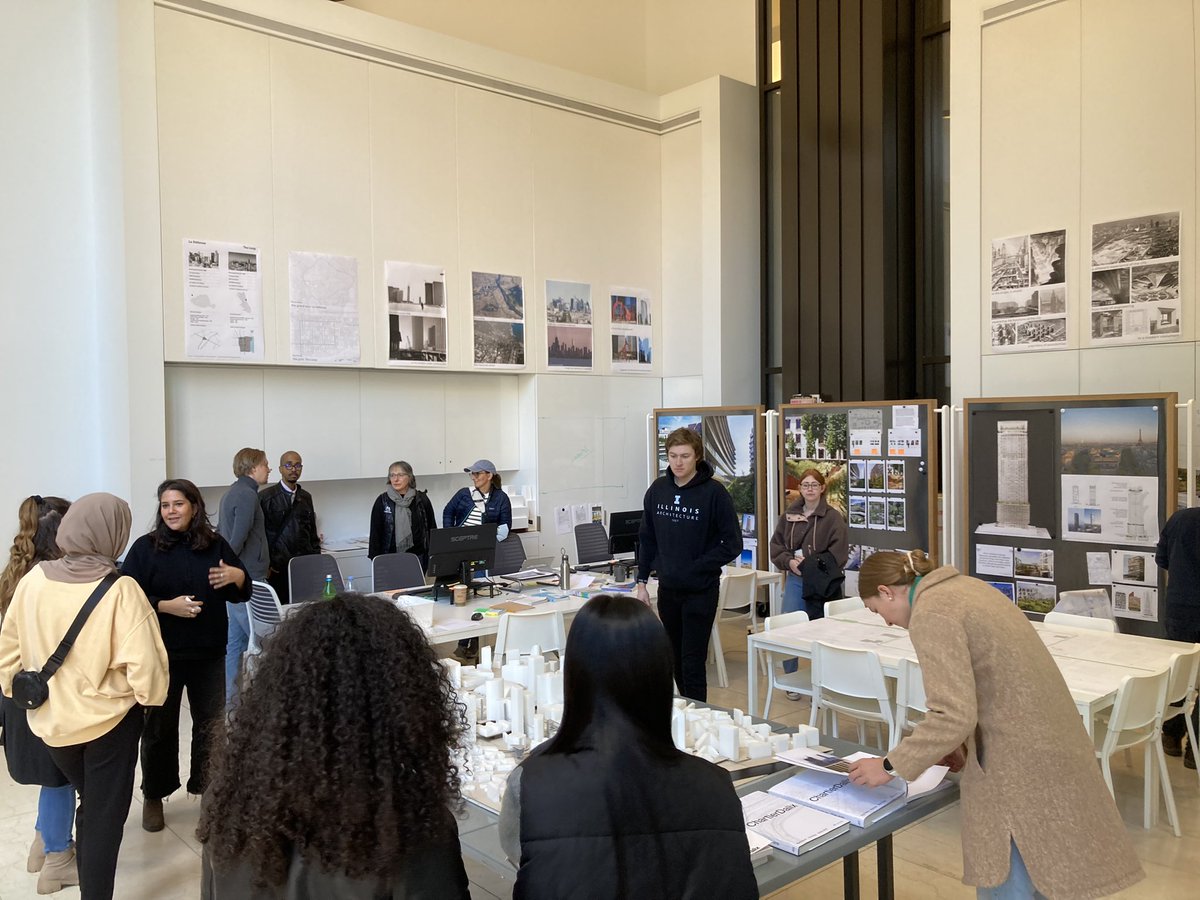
x: 349, y: 583
x: 328, y: 592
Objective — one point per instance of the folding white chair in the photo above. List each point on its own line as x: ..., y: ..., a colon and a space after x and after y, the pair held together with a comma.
x: 911, y: 705
x: 851, y: 682
x: 845, y: 605
x: 798, y: 682
x: 1083, y: 623
x: 739, y: 590
x: 520, y: 631
x: 1137, y: 719
x: 1182, y: 689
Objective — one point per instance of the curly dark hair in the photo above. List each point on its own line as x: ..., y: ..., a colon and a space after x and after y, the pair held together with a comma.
x: 339, y: 750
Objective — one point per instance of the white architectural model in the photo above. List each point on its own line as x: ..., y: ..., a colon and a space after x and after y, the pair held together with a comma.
x: 1012, y: 483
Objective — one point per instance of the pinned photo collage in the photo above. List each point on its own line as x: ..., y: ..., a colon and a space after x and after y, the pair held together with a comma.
x: 1135, y: 280
x: 1134, y: 585
x: 568, y: 325
x: 416, y: 311
x: 631, y: 331
x: 877, y: 494
x: 1029, y: 292
x: 498, y: 313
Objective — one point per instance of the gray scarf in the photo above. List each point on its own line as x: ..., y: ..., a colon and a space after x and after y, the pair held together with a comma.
x: 403, y: 520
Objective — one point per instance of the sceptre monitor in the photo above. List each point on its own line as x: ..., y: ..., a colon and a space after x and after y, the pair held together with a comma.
x: 623, y: 530
x: 457, y: 553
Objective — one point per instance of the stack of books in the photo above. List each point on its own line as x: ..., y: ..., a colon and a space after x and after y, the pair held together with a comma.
x: 788, y: 825
x: 832, y: 792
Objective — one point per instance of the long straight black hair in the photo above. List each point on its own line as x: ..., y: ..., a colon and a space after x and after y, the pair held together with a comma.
x: 617, y: 679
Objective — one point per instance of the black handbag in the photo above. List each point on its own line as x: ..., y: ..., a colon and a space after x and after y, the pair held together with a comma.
x: 823, y: 577
x: 31, y: 689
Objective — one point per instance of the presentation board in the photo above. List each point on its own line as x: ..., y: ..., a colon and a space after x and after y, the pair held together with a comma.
x: 1069, y: 493
x: 879, y: 461
x: 733, y: 444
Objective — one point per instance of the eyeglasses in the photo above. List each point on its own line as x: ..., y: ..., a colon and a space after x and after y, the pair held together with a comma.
x: 810, y: 484
x: 291, y: 466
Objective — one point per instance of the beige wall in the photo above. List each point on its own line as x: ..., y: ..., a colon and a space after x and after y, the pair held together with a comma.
x: 651, y: 45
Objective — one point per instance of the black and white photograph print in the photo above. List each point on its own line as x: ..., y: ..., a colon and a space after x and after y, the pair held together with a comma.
x: 568, y: 303
x: 1136, y: 239
x: 643, y: 316
x: 202, y: 260
x: 569, y: 346
x: 1048, y: 257
x: 1014, y: 304
x: 1155, y: 282
x: 1107, y: 325
x: 1010, y: 263
x: 1110, y: 287
x: 415, y: 288
x: 499, y: 343
x: 497, y: 297
x: 417, y: 339
x: 858, y: 511
x: 1043, y: 331
x: 1164, y: 319
x: 1034, y: 564
x: 876, y: 512
x: 896, y: 520
x: 1004, y: 334
x: 858, y: 475
x: 1052, y: 301
x: 243, y: 262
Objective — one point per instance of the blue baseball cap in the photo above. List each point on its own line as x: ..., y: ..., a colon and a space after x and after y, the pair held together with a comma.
x: 481, y: 465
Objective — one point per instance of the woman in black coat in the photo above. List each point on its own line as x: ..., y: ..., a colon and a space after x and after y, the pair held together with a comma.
x: 402, y: 516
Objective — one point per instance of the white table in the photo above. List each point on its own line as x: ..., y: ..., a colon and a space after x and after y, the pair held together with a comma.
x: 1092, y: 663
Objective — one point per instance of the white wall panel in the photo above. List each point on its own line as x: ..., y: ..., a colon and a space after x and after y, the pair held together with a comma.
x: 212, y: 413
x: 1030, y: 374
x: 1138, y: 369
x: 403, y: 417
x: 683, y: 261
x: 481, y: 421
x: 309, y: 412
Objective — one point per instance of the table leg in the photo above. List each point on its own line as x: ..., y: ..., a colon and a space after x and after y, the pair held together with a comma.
x: 776, y: 602
x: 850, y: 876
x: 887, y: 876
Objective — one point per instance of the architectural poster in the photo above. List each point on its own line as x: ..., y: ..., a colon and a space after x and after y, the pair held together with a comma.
x: 223, y: 304
x: 498, y: 316
x: 1029, y: 292
x: 631, y: 331
x: 323, y: 301
x: 1135, y: 280
x: 416, y: 313
x: 569, y: 325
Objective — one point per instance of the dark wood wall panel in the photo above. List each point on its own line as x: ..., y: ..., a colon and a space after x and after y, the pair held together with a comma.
x: 848, y: 296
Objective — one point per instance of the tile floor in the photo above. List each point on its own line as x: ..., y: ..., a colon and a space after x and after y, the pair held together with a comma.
x: 928, y: 864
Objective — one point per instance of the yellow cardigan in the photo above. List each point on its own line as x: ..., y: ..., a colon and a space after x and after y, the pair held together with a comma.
x: 1031, y: 774
x: 117, y: 660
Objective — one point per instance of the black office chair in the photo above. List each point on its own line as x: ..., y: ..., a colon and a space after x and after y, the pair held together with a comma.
x: 510, y: 555
x: 306, y: 576
x: 393, y: 571
x: 591, y: 543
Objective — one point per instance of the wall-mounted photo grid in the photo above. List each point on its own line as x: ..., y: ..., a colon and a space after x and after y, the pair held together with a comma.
x: 1135, y: 280
x: 880, y: 471
x: 1070, y: 493
x: 1029, y: 292
x: 733, y: 446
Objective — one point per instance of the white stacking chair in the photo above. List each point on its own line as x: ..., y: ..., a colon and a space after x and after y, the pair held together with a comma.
x: 1136, y: 719
x: 265, y: 613
x: 848, y: 604
x: 911, y: 705
x: 520, y: 631
x: 851, y: 682
x: 739, y: 590
x: 798, y: 682
x: 1083, y: 623
x: 1182, y: 689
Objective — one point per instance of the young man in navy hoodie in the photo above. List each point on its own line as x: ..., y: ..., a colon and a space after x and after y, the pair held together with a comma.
x: 689, y: 531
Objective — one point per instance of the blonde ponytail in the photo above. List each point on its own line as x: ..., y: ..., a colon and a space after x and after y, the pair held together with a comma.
x: 892, y: 567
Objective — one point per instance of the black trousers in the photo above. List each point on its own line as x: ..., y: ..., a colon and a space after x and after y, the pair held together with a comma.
x: 204, y: 680
x: 1176, y: 727
x: 102, y: 773
x: 688, y: 618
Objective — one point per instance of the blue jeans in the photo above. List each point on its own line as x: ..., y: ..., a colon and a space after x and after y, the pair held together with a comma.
x: 793, y: 601
x: 238, y: 641
x: 56, y: 815
x: 1018, y: 886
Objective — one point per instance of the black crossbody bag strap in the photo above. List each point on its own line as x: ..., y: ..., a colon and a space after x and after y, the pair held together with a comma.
x: 57, y: 657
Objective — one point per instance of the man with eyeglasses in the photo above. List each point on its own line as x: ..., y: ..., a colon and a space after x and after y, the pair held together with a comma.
x: 291, y: 521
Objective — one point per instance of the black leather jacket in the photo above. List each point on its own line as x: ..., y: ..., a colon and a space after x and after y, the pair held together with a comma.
x: 291, y: 525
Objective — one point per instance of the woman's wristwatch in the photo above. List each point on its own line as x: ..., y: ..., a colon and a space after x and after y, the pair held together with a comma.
x: 887, y: 766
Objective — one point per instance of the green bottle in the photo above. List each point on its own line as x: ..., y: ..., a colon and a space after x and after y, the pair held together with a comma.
x: 329, y: 591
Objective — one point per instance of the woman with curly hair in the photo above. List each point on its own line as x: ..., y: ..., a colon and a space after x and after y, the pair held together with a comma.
x: 189, y: 572
x: 609, y: 798
x: 335, y: 779
x: 28, y: 759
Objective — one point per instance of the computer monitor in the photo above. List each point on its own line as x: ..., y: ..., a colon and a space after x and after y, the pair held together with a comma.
x: 623, y: 528
x: 457, y: 553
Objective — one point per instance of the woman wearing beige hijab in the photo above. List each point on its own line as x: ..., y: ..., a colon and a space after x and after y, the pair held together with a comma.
x: 92, y: 719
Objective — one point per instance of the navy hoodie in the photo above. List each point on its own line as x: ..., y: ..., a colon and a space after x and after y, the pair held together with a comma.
x: 688, y: 532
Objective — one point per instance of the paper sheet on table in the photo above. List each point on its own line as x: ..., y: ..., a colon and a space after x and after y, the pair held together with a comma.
x: 927, y: 781
x: 579, y: 581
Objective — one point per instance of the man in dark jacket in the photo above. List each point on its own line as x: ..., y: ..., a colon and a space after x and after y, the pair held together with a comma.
x: 291, y: 521
x: 1179, y: 553
x: 689, y: 531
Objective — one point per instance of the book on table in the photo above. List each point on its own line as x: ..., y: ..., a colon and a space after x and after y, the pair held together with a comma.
x: 788, y: 825
x: 760, y: 848
x: 833, y: 793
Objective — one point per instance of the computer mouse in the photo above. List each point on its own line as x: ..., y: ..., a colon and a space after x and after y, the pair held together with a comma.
x: 475, y: 617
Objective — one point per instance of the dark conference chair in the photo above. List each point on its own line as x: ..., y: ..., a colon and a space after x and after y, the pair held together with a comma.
x: 306, y: 576
x: 393, y: 571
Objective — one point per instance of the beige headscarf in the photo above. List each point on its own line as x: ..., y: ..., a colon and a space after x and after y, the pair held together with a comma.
x: 91, y: 535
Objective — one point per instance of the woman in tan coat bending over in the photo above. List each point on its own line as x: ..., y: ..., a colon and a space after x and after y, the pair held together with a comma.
x: 1037, y: 819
